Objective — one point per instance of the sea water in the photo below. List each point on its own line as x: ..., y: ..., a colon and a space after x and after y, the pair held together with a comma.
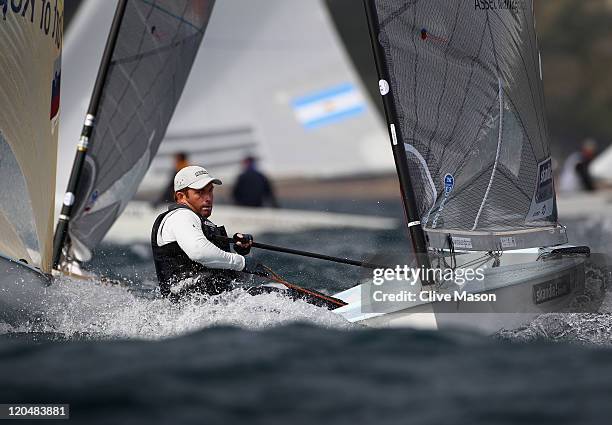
x: 120, y: 354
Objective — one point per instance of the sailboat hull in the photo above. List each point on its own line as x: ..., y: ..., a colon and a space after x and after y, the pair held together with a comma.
x: 516, y: 292
x: 23, y: 290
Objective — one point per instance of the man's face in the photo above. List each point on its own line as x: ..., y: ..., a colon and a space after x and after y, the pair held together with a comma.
x: 199, y: 200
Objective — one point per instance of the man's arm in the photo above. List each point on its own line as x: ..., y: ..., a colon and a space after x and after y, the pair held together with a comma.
x: 185, y: 227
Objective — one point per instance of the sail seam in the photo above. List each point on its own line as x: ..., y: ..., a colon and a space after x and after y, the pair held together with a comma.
x: 499, y: 139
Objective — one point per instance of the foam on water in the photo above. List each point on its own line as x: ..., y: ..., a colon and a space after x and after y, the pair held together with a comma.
x: 591, y: 329
x: 111, y: 311
x: 587, y: 328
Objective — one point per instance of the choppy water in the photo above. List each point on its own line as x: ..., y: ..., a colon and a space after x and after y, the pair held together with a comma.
x: 119, y: 354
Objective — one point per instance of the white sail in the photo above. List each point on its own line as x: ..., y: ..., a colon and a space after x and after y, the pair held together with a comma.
x: 30, y: 60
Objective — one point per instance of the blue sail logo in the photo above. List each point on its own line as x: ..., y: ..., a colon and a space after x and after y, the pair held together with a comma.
x: 449, y: 183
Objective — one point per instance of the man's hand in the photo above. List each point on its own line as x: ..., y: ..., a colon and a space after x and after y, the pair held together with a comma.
x: 243, y: 243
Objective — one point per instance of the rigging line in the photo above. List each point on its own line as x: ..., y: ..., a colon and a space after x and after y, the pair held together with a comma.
x: 499, y: 140
x: 484, y: 258
x: 452, y: 251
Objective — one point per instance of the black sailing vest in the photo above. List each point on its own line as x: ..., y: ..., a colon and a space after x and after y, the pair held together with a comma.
x: 173, y: 265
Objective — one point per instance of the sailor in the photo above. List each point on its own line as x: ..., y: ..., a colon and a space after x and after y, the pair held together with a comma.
x: 192, y: 254
x: 252, y: 187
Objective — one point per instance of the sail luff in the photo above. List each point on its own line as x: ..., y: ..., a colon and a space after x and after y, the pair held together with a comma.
x: 413, y: 220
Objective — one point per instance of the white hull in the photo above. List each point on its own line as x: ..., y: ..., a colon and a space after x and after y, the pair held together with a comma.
x: 514, y: 284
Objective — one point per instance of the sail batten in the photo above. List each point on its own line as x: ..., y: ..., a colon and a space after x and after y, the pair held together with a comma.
x: 153, y: 53
x: 467, y: 89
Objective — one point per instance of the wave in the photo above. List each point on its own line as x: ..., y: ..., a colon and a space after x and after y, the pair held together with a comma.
x: 101, y: 310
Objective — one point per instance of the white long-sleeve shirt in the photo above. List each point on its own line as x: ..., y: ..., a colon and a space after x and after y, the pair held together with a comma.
x: 184, y: 227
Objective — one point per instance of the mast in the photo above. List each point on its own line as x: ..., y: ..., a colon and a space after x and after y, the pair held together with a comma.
x: 413, y: 220
x: 61, y: 232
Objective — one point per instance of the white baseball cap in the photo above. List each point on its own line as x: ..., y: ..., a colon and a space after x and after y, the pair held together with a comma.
x: 194, y: 177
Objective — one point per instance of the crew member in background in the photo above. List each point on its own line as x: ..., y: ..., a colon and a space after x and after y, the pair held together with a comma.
x: 188, y: 255
x: 575, y: 174
x: 180, y: 161
x: 252, y: 187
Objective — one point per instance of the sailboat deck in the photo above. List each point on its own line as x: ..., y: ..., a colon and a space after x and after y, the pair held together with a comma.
x: 497, y: 241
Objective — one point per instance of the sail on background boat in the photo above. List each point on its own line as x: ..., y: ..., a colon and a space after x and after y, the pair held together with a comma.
x: 156, y: 45
x: 29, y: 97
x: 467, y: 89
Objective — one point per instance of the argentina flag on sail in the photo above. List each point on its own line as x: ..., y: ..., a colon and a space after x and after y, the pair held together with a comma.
x: 329, y: 106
